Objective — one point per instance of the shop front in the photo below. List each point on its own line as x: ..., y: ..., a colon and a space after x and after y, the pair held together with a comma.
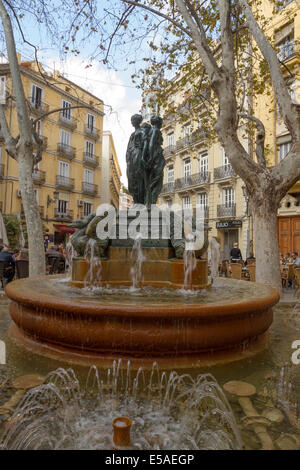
x: 228, y: 232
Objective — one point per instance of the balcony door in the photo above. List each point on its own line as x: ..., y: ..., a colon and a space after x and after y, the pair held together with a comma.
x: 187, y: 168
x: 36, y: 97
x: 203, y: 162
x: 90, y: 122
x: 64, y: 169
x: 89, y: 149
x: 65, y: 138
x: 228, y: 197
x: 88, y: 176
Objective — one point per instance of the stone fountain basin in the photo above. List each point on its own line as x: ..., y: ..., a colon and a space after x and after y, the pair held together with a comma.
x: 51, y: 317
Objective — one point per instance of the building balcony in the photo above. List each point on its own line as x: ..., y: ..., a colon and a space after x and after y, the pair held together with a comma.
x: 38, y: 176
x: 168, y: 188
x: 89, y: 188
x: 1, y: 171
x: 286, y: 51
x: 90, y: 159
x: 170, y: 150
x: 192, y: 180
x: 66, y: 151
x: 189, y: 140
x: 66, y: 216
x: 70, y: 123
x: 63, y: 182
x: 38, y: 107
x: 201, y: 210
x: 225, y: 171
x: 92, y: 132
x: 225, y: 210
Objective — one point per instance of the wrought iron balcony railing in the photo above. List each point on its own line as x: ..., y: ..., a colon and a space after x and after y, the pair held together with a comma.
x: 201, y: 211
x: 66, y: 150
x: 226, y: 210
x: 168, y: 188
x: 192, y: 180
x: 66, y: 121
x: 169, y: 150
x: 92, y: 131
x: 225, y: 171
x: 38, y: 106
x: 38, y: 176
x: 286, y: 50
x: 90, y: 159
x: 64, y: 182
x: 89, y: 188
x: 66, y: 215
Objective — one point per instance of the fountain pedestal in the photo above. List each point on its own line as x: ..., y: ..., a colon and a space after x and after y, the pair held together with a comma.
x: 158, y: 269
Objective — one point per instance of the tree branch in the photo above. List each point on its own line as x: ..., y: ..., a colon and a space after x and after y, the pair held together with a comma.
x: 260, y: 138
x: 283, y: 98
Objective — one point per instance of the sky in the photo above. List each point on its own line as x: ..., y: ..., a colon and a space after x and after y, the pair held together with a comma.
x: 120, y: 97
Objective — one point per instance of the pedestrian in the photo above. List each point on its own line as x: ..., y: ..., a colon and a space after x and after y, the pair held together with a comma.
x: 9, y: 264
x: 235, y: 253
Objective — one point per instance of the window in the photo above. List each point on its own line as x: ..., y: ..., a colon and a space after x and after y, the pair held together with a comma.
x: 225, y: 158
x: 280, y: 4
x: 62, y: 206
x: 169, y: 203
x: 186, y: 130
x: 88, y: 176
x: 202, y: 200
x: 203, y: 161
x: 170, y: 174
x: 286, y: 47
x: 170, y: 139
x: 3, y: 89
x: 90, y: 122
x: 89, y: 148
x: 283, y: 150
x: 187, y: 167
x: 228, y: 197
x: 36, y: 168
x: 66, y: 113
x: 36, y: 98
x: 87, y: 208
x: 65, y: 138
x: 186, y: 202
x: 64, y: 169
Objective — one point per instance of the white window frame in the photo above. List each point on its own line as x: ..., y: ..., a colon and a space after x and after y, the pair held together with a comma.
x: 66, y: 114
x: 33, y: 97
x: 65, y: 138
x: 64, y: 169
x: 283, y: 150
x: 202, y: 199
x: 170, y: 174
x: 187, y: 168
x: 203, y: 162
x: 228, y: 196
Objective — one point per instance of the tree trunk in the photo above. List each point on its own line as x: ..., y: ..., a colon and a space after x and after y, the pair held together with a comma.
x: 32, y: 215
x: 266, y: 240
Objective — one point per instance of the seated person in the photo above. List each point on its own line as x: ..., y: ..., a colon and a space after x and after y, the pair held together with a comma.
x: 235, y: 253
x: 296, y: 259
x: 54, y: 252
x: 9, y: 264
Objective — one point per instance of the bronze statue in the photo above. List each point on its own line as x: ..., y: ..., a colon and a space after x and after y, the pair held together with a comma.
x: 145, y: 160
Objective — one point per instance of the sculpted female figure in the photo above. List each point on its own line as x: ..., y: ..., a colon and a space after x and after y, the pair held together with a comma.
x: 134, y: 161
x: 156, y: 161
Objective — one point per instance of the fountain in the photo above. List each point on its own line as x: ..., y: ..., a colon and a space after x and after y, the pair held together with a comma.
x: 166, y: 412
x: 144, y: 298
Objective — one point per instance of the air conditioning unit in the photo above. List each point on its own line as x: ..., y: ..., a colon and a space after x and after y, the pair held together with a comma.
x: 80, y: 203
x: 19, y: 193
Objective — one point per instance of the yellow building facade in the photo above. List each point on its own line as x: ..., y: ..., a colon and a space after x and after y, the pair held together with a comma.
x: 68, y: 179
x: 111, y: 172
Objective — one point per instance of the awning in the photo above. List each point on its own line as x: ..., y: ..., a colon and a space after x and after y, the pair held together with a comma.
x: 64, y: 228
